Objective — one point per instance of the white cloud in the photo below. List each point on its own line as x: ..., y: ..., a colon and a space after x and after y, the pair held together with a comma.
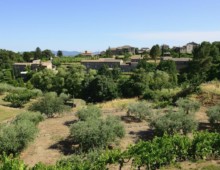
x: 197, y: 36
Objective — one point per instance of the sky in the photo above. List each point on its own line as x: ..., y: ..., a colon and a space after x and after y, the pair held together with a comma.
x: 95, y: 25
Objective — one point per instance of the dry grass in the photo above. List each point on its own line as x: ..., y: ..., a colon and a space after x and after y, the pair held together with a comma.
x: 118, y: 104
x: 212, y: 87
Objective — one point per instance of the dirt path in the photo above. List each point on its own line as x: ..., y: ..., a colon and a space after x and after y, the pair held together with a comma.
x: 50, y: 132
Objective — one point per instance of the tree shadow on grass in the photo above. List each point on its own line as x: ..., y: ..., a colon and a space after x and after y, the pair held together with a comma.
x: 65, y: 146
x: 204, y: 126
x: 130, y: 119
x: 69, y: 123
x: 208, y: 127
x: 144, y: 135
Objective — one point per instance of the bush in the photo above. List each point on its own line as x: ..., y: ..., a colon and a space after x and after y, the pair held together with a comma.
x: 159, y: 95
x: 140, y: 110
x: 188, y: 105
x: 90, y: 112
x: 50, y: 104
x: 96, y: 133
x: 174, y: 121
x: 11, y: 163
x: 19, y: 98
x: 15, y: 137
x: 205, y: 145
x: 34, y: 117
x: 214, y: 115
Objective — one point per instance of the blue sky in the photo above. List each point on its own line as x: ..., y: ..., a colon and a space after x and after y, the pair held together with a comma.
x: 95, y: 25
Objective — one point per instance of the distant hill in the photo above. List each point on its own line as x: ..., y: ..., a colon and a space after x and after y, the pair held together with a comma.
x: 67, y: 53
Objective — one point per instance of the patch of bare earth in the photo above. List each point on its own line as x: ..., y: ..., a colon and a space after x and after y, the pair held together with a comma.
x: 51, y: 131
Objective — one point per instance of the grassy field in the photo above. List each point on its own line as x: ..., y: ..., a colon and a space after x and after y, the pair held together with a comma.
x: 8, y: 112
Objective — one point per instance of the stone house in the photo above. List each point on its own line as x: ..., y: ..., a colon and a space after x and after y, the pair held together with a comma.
x: 181, y: 63
x: 97, y: 64
x: 122, y: 50
x: 87, y: 53
x: 22, y: 68
x: 188, y: 48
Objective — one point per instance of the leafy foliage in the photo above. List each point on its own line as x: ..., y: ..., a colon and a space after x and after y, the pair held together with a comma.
x: 19, y: 98
x: 152, y: 155
x: 101, y: 88
x: 95, y: 133
x: 173, y: 122
x: 34, y: 117
x: 15, y: 137
x: 140, y: 110
x: 11, y: 163
x: 50, y: 104
x: 188, y: 105
x: 88, y: 113
x: 214, y: 115
x: 155, y: 52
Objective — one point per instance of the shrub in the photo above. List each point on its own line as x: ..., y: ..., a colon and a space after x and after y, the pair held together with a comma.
x: 188, y: 105
x: 50, y: 104
x: 174, y: 121
x: 11, y: 163
x: 19, y: 98
x: 205, y: 145
x: 34, y: 117
x: 15, y: 137
x: 90, y: 112
x: 140, y: 110
x: 96, y: 133
x: 159, y: 95
x: 214, y: 115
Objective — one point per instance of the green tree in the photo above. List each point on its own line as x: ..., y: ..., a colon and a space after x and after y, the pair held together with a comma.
x: 96, y: 133
x: 174, y: 122
x: 44, y: 80
x: 101, y: 88
x: 59, y: 53
x: 169, y: 66
x: 159, y: 79
x: 38, y: 53
x: 214, y: 116
x: 148, y: 67
x: 28, y: 56
x: 74, y: 79
x: 202, y: 62
x: 49, y: 105
x: 88, y: 113
x: 47, y: 54
x: 140, y: 110
x: 188, y: 106
x: 155, y: 52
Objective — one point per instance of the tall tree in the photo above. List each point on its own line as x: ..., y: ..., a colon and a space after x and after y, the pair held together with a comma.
x: 102, y: 88
x: 38, y: 53
x: 155, y: 52
x: 47, y: 54
x: 28, y: 56
x: 59, y: 53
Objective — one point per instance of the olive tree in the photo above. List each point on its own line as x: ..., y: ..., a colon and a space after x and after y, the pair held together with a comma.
x: 174, y: 122
x: 91, y: 131
x: 90, y: 112
x: 214, y: 115
x: 188, y: 105
x: 140, y: 110
x: 50, y: 104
